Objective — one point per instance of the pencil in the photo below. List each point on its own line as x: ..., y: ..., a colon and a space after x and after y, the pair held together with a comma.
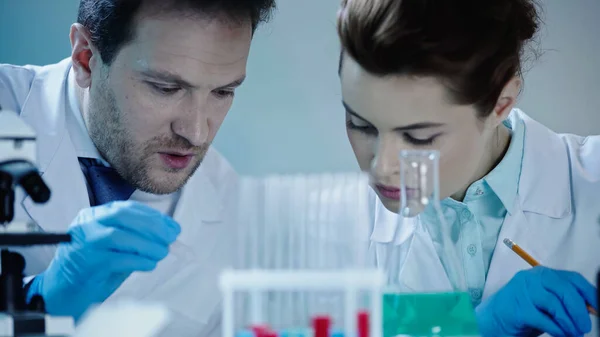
x: 533, y: 262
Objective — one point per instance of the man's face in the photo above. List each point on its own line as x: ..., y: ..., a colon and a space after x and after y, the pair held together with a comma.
x: 155, y: 110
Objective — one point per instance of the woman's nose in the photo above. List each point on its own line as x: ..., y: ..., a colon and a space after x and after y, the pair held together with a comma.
x: 386, y: 163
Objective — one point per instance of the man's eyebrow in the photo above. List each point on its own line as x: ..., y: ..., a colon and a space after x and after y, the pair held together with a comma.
x: 415, y: 126
x: 233, y: 84
x: 167, y: 77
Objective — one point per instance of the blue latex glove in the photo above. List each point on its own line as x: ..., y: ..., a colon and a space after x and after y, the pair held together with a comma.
x: 539, y: 300
x: 108, y: 243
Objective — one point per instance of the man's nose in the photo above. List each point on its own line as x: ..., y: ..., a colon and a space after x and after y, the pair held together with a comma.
x: 193, y: 125
x: 386, y: 163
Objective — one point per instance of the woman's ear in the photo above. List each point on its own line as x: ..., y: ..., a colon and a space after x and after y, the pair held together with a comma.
x: 507, y: 99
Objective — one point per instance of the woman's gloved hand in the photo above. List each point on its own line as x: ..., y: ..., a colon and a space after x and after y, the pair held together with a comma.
x: 109, y: 242
x: 539, y: 300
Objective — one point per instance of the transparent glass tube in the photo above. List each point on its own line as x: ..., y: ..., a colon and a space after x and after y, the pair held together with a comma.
x: 317, y: 222
x: 419, y: 193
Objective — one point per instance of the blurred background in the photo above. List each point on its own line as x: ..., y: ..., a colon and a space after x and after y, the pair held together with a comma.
x: 288, y: 118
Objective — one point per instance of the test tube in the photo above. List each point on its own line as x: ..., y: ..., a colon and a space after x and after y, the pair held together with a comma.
x: 363, y: 324
x: 302, y: 222
x: 248, y: 234
x: 301, y: 189
x: 321, y: 326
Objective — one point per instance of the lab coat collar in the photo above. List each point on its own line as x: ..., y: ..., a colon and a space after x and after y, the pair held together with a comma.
x: 545, y: 186
x: 410, y: 248
x: 414, y: 276
x: 505, y: 263
x: 44, y: 110
x: 390, y: 227
x: 201, y: 200
x: 504, y: 178
x: 78, y: 132
x: 48, y: 92
x: 201, y: 250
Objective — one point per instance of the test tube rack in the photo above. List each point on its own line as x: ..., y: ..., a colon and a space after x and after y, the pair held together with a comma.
x: 350, y: 282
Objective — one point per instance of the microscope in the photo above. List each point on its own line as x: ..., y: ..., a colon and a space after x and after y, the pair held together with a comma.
x: 18, y: 170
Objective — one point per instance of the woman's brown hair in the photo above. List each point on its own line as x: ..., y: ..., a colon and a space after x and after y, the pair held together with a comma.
x: 473, y: 46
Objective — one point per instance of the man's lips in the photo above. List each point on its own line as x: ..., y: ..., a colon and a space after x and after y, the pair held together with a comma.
x: 176, y: 160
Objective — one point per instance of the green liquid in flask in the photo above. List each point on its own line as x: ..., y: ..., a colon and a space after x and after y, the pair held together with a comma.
x: 424, y: 315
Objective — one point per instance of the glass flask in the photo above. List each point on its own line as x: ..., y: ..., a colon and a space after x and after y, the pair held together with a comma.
x: 424, y: 314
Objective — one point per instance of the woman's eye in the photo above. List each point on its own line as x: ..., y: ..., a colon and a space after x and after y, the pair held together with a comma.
x: 361, y: 126
x: 418, y: 141
x: 358, y: 122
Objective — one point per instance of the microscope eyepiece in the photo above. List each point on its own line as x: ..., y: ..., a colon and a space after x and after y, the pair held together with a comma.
x: 24, y: 173
x: 7, y: 198
x: 35, y: 186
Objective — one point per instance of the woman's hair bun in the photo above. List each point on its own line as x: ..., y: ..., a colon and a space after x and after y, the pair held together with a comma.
x: 475, y: 46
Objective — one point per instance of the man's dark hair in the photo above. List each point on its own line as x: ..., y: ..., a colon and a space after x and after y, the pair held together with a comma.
x: 111, y: 22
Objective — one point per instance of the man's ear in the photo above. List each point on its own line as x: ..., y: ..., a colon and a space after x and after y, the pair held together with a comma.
x: 507, y: 100
x: 83, y: 55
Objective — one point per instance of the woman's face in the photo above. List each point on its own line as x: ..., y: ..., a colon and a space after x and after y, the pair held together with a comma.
x: 385, y: 115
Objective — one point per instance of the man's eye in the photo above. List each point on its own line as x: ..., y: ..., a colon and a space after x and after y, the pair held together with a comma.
x: 224, y: 93
x: 165, y: 89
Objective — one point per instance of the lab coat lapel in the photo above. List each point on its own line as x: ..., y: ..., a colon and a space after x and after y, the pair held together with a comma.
x: 544, y: 195
x: 69, y: 192
x: 532, y: 233
x: 419, y: 267
x: 545, y: 184
x: 45, y: 110
x: 199, y: 212
x: 189, y: 284
x: 505, y: 263
x: 422, y: 270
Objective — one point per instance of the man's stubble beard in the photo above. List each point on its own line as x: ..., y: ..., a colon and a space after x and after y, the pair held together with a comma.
x: 115, y: 144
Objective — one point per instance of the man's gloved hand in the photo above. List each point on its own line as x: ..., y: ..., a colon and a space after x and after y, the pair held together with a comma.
x: 539, y: 300
x: 108, y: 243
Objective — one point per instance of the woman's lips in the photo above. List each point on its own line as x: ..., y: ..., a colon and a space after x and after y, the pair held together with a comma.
x: 394, y: 193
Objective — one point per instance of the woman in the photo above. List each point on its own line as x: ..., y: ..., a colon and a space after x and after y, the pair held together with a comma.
x: 445, y: 75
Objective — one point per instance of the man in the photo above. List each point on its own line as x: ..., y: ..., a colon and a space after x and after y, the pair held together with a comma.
x: 131, y: 116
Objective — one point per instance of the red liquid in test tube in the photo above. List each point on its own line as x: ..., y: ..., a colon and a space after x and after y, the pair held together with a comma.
x: 363, y: 324
x: 260, y: 330
x: 321, y: 325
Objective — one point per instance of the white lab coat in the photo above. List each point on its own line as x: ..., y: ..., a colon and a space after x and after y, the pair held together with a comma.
x: 555, y: 218
x: 186, y: 280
